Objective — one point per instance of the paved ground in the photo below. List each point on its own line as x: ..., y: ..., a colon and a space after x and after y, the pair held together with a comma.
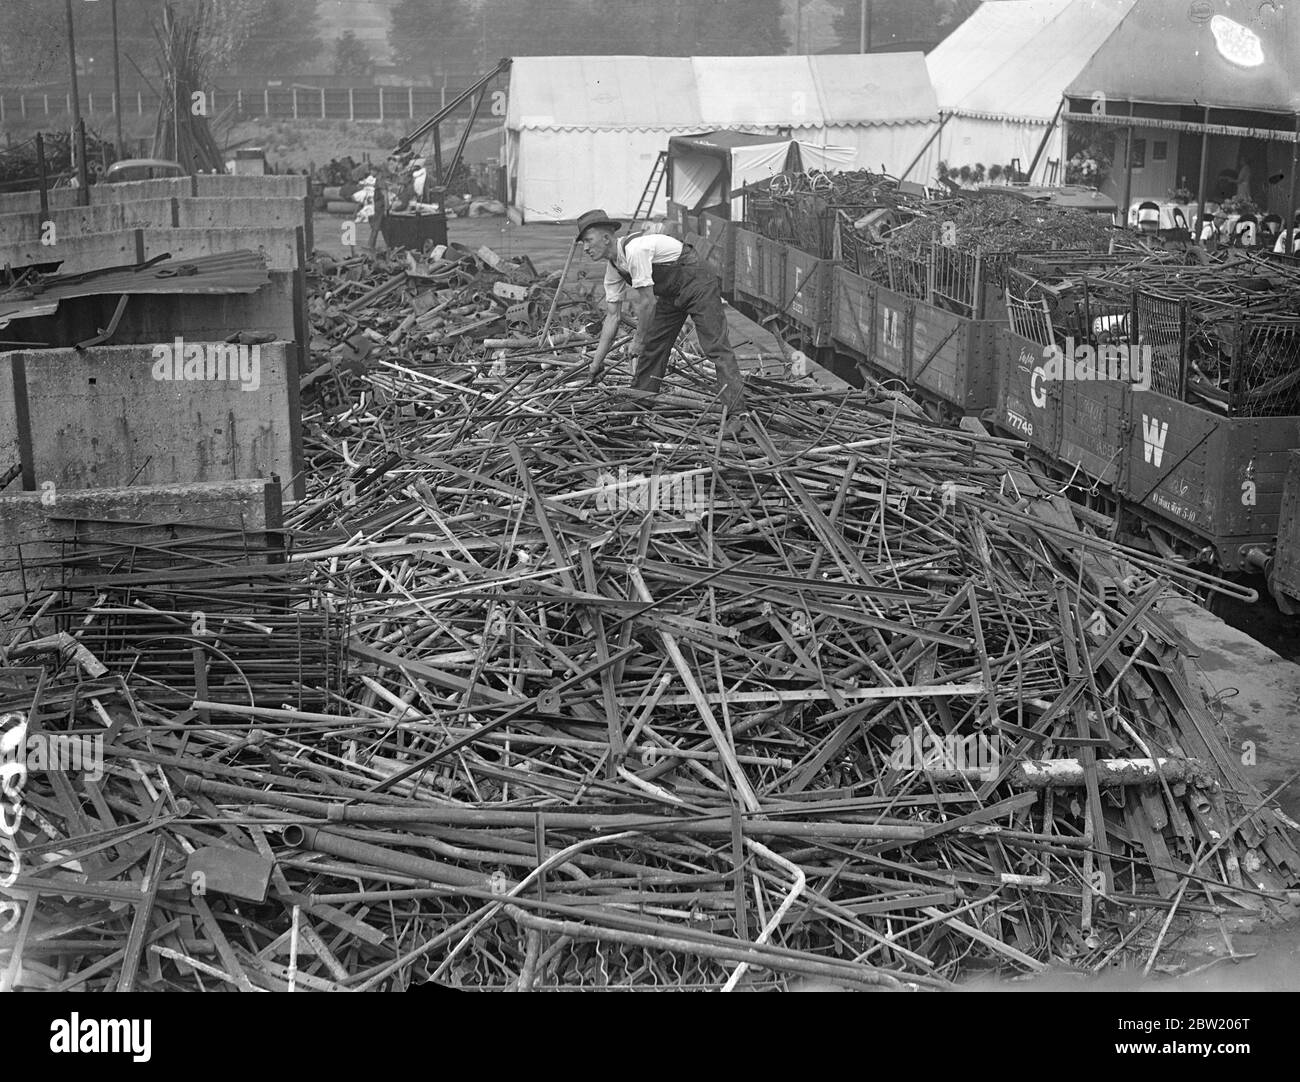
x: 1259, y: 692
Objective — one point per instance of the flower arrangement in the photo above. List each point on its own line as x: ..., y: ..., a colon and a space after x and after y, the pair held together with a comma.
x: 1240, y: 206
x: 1087, y: 167
x: 1089, y: 155
x: 1182, y: 195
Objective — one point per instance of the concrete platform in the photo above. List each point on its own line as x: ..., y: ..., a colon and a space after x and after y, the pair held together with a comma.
x: 1258, y: 696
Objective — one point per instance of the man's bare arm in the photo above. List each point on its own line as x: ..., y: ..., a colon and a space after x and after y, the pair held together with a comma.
x: 608, y: 332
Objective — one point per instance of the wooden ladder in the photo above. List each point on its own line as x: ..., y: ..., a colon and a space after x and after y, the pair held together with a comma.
x: 651, y: 191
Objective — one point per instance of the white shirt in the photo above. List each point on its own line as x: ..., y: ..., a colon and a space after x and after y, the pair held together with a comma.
x: 1280, y: 247
x: 637, y: 256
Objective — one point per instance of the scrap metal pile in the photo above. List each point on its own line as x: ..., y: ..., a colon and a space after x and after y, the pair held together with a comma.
x: 1225, y: 333
x: 622, y: 702
x: 870, y: 221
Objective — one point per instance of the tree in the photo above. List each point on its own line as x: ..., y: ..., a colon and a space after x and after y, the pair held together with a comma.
x: 900, y: 24
x: 533, y: 28
x: 279, y: 36
x: 31, y: 36
x: 425, y: 33
x: 351, y: 57
x: 638, y: 27
x: 732, y: 28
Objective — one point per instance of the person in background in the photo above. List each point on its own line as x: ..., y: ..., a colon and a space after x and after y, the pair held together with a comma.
x: 1280, y: 247
x: 382, y: 194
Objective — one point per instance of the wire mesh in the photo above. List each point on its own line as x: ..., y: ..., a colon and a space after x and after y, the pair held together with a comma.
x: 1160, y: 326
x: 1267, y: 372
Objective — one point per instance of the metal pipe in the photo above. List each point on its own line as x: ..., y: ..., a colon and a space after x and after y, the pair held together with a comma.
x: 1128, y: 171
x: 503, y: 65
x: 322, y: 841
x: 568, y: 262
x: 83, y: 196
x: 1051, y: 127
x: 44, y: 181
x: 117, y: 83
x: 1205, y: 165
x: 920, y: 153
x: 800, y: 881
x: 441, y: 815
x: 1295, y: 165
x: 464, y: 136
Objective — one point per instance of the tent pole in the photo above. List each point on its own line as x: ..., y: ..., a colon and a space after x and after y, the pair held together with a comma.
x: 942, y: 121
x: 1205, y: 165
x: 1295, y: 164
x: 1046, y: 136
x: 1128, y: 171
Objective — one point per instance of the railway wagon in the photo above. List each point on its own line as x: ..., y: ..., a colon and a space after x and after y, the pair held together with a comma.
x: 1192, y: 475
x: 716, y: 242
x: 947, y: 359
x: 806, y: 297
x: 748, y: 255
x: 1077, y: 424
x: 1211, y: 477
x: 1284, y: 569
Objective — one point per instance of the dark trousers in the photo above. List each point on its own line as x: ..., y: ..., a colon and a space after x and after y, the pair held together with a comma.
x: 683, y: 290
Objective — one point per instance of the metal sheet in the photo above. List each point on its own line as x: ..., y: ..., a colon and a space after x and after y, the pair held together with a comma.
x: 224, y: 273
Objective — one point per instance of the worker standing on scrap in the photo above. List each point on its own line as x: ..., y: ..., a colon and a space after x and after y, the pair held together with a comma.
x: 665, y: 283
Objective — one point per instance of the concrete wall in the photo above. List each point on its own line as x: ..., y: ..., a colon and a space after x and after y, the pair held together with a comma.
x: 73, y: 222
x: 98, y: 418
x: 277, y: 244
x: 88, y: 251
x: 25, y: 202
x: 222, y: 186
x: 100, y: 195
x: 218, y: 186
x: 93, y: 251
x: 243, y: 212
x: 40, y: 526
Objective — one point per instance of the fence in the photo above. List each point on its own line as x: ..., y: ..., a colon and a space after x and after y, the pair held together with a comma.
x: 954, y: 279
x: 378, y: 103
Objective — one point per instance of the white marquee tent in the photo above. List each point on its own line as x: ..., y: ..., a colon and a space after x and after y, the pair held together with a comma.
x: 584, y: 132
x: 1000, y: 76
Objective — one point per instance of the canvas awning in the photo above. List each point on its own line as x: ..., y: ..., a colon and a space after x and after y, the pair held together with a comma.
x: 1232, y: 55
